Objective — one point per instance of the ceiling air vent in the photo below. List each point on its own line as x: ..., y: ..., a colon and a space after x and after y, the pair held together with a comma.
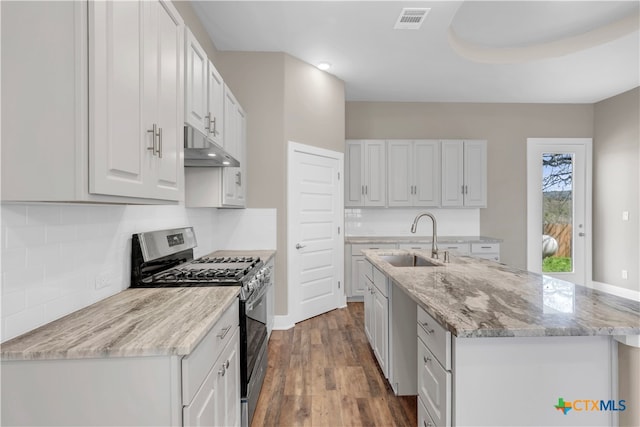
x: 411, y: 18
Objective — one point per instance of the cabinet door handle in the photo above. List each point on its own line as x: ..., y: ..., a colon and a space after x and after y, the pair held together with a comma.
x: 207, y: 119
x: 366, y: 190
x: 224, y: 332
x: 362, y: 190
x: 215, y: 130
x: 221, y: 371
x: 462, y: 189
x: 153, y: 132
x: 238, y: 178
x: 426, y: 359
x: 226, y: 364
x: 426, y: 327
x: 466, y: 189
x: 160, y: 142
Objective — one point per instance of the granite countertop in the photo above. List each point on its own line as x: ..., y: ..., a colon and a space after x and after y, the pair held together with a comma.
x: 479, y: 298
x: 419, y: 239
x: 134, y: 322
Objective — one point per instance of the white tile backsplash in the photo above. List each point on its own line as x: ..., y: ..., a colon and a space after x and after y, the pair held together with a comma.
x: 58, y: 258
x: 397, y: 222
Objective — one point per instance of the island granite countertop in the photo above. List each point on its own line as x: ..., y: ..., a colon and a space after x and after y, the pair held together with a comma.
x: 134, y: 322
x: 479, y: 298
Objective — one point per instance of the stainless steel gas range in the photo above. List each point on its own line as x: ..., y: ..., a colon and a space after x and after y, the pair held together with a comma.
x: 164, y: 258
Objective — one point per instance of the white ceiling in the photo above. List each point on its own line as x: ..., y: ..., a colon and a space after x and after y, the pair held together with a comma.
x: 465, y: 51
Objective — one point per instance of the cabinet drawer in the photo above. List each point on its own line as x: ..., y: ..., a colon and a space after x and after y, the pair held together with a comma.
x: 437, y: 338
x: 479, y: 248
x: 455, y: 248
x: 420, y: 246
x: 424, y: 418
x: 380, y: 281
x: 434, y: 386
x: 196, y: 365
x: 492, y: 257
x: 356, y: 249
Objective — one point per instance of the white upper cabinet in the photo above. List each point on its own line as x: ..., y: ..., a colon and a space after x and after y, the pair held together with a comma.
x: 215, y: 94
x: 464, y: 173
x: 414, y: 172
x: 204, y: 92
x: 135, y: 99
x: 366, y: 179
x: 196, y: 104
x: 235, y: 144
x: 111, y: 130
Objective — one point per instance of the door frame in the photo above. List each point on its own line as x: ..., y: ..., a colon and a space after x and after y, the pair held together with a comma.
x: 293, y: 312
x: 534, y: 219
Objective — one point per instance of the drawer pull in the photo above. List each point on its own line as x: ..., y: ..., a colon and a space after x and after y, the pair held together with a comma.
x: 426, y: 359
x: 426, y: 327
x: 485, y: 247
x: 224, y: 332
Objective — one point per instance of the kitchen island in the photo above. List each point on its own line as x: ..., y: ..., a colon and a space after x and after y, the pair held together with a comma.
x: 502, y: 346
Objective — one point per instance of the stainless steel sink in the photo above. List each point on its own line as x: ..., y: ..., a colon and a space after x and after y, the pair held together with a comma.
x: 408, y: 260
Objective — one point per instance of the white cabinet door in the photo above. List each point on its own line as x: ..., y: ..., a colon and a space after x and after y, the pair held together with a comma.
x: 452, y: 173
x: 426, y: 173
x: 228, y: 401
x: 381, y: 330
x: 366, y: 183
x: 215, y: 103
x: 375, y: 170
x: 202, y: 410
x: 118, y: 141
x: 234, y: 178
x: 135, y: 99
x: 464, y: 173
x: 164, y: 95
x: 475, y: 173
x: 196, y: 102
x: 357, y: 286
x: 354, y: 185
x: 401, y: 176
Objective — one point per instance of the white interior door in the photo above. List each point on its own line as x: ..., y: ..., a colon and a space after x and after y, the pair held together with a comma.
x: 559, y: 208
x: 316, y: 242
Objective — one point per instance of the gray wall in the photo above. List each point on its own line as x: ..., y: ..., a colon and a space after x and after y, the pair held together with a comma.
x: 616, y: 148
x: 616, y: 187
x: 506, y: 127
x: 285, y: 100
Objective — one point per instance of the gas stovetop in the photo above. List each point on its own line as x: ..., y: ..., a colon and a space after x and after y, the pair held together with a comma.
x: 214, y: 270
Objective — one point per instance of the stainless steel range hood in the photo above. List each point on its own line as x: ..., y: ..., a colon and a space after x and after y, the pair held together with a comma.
x: 200, y: 151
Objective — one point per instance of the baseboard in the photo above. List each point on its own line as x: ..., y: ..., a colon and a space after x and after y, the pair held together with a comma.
x: 616, y: 290
x: 282, y: 323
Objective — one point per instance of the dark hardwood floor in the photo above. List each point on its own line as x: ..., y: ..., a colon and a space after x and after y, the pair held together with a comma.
x: 322, y: 372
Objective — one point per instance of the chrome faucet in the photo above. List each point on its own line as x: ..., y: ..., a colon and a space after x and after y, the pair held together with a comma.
x: 434, y: 242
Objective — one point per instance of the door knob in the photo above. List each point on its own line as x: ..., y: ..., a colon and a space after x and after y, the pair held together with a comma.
x: 299, y: 246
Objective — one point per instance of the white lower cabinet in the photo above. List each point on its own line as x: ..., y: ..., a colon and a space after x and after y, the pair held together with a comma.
x: 202, y: 388
x: 217, y: 402
x: 354, y: 262
x: 376, y: 313
x: 434, y: 369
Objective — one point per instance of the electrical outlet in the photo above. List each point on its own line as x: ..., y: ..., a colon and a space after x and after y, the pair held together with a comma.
x: 625, y: 215
x: 624, y: 274
x: 102, y: 280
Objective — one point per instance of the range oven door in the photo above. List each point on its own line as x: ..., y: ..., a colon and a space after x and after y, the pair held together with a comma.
x: 253, y: 334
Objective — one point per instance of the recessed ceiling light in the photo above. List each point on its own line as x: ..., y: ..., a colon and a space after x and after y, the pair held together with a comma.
x: 226, y: 163
x: 324, y: 66
x: 211, y: 154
